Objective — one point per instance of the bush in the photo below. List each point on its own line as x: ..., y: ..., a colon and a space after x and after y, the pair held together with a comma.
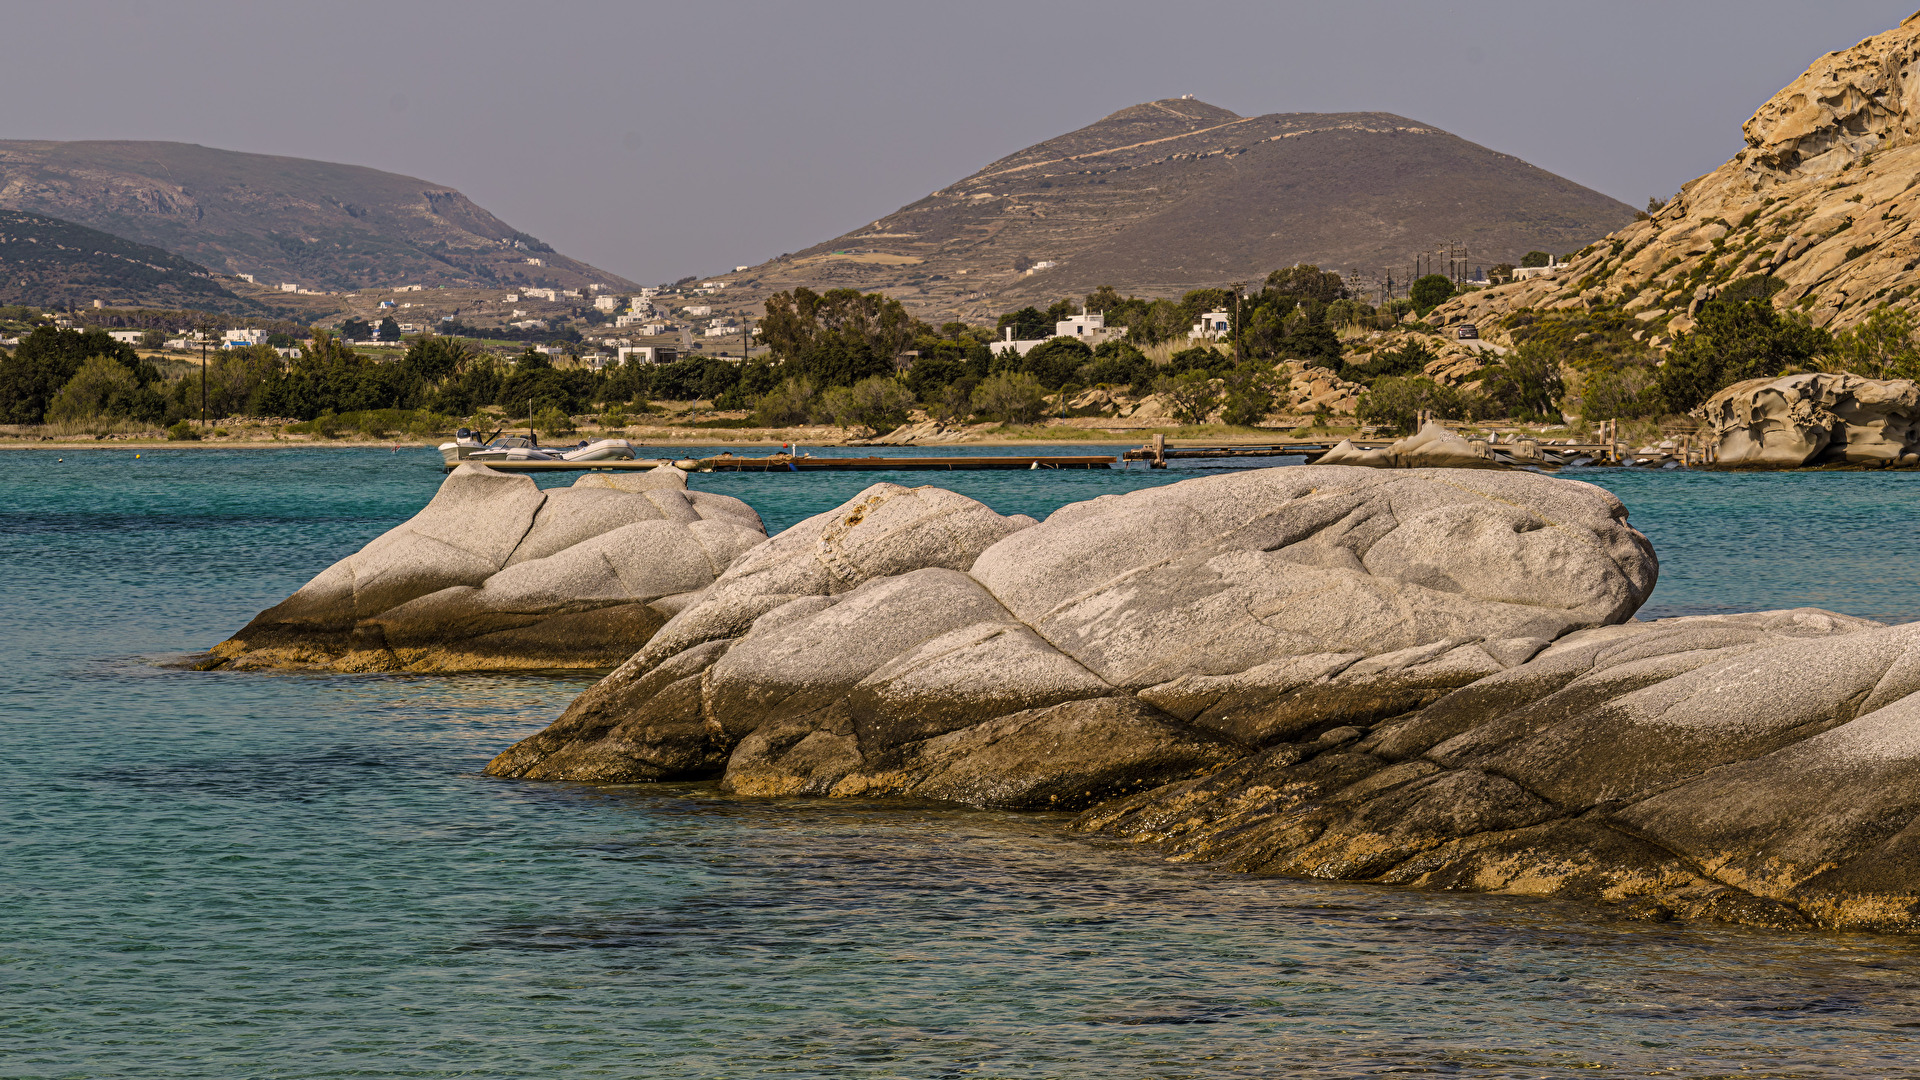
x: 554, y: 422
x: 102, y: 387
x: 791, y: 402
x: 1732, y: 341
x: 1626, y: 394
x: 1537, y: 258
x: 1527, y: 385
x: 1430, y: 292
x: 1410, y: 359
x: 613, y: 419
x: 1395, y: 403
x: 877, y: 403
x: 182, y: 431
x: 1191, y: 396
x: 1013, y: 397
x: 955, y: 401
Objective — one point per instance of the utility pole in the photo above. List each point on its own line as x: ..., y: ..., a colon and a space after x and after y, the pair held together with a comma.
x: 204, y: 330
x: 1237, y: 286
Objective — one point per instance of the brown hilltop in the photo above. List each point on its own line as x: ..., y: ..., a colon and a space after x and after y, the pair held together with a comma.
x: 313, y: 223
x: 1179, y: 194
x: 1820, y: 198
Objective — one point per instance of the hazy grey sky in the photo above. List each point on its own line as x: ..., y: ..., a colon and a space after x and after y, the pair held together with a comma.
x: 658, y: 140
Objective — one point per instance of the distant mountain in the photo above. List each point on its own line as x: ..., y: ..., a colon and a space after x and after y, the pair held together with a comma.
x: 1178, y: 194
x: 46, y: 261
x: 312, y: 223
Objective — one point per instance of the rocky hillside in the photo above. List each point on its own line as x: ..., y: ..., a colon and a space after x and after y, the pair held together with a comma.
x: 312, y: 223
x: 1820, y: 198
x: 46, y: 261
x: 1178, y: 194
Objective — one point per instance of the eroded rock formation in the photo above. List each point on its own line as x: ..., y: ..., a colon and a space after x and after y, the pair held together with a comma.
x: 497, y: 574
x: 914, y: 642
x: 1758, y: 768
x: 1816, y: 418
x: 1432, y: 447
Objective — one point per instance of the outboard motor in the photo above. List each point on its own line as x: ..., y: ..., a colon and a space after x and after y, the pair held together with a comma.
x: 463, y: 433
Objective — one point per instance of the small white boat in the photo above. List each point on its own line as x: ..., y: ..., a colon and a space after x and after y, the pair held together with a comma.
x: 471, y: 446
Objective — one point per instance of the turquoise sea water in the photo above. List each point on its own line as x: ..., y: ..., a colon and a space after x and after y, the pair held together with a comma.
x: 296, y: 875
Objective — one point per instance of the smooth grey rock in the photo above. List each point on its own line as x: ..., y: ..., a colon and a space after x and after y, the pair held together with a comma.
x: 495, y: 573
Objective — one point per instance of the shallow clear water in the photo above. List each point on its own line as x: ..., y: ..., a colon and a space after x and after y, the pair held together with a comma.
x: 298, y: 875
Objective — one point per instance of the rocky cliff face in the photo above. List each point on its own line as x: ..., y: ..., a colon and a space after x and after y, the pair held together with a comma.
x: 1821, y: 197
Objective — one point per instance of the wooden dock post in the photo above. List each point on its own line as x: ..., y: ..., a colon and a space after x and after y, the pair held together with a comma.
x: 1159, y: 452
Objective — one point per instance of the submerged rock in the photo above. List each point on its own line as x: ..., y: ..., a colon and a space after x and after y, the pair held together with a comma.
x: 1816, y: 418
x: 913, y: 642
x: 496, y: 574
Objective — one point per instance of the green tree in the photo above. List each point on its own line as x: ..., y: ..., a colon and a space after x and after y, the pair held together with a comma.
x: 1409, y: 359
x: 1536, y: 258
x: 1395, y: 403
x: 1430, y: 292
x: 1732, y: 341
x: 103, y: 387
x: 1527, y: 385
x: 1500, y: 273
x: 153, y: 339
x: 878, y: 403
x: 389, y: 330
x: 792, y: 402
x: 553, y: 422
x: 1882, y: 347
x: 1053, y: 362
x: 1618, y: 394
x: 1191, y: 396
x: 47, y: 359
x: 1308, y: 282
x: 1250, y: 395
x: 838, y: 337
x: 1012, y: 397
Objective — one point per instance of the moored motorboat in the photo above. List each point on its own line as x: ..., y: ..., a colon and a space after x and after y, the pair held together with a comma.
x: 468, y: 445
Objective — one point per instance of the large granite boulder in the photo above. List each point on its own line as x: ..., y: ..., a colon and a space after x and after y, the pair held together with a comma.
x: 1816, y: 418
x: 496, y: 574
x: 1760, y: 768
x: 913, y: 642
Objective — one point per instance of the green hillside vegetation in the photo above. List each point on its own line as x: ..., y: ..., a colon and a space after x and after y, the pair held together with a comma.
x: 48, y: 262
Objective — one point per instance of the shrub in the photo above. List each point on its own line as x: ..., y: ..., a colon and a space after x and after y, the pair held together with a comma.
x: 1527, y: 385
x: 791, y: 402
x: 1191, y: 396
x: 102, y: 387
x: 182, y: 431
x: 878, y: 403
x: 1013, y: 397
x: 1732, y: 341
x: 1430, y: 292
x: 613, y: 419
x: 1410, y: 359
x: 1395, y: 403
x: 553, y: 421
x: 1626, y: 394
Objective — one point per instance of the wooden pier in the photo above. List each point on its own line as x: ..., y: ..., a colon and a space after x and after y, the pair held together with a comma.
x: 785, y: 463
x: 1515, y: 452
x: 805, y: 463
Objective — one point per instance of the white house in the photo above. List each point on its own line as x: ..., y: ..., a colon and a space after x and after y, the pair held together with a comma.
x: 403, y: 288
x: 536, y: 262
x: 541, y: 294
x: 511, y: 298
x: 698, y: 310
x: 527, y: 324
x: 1554, y: 266
x: 1092, y: 329
x: 288, y: 286
x: 606, y: 303
x: 647, y: 354
x: 126, y: 337
x: 1213, y: 326
x: 239, y: 338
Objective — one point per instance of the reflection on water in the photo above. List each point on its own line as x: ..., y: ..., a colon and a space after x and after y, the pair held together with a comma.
x: 305, y: 875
